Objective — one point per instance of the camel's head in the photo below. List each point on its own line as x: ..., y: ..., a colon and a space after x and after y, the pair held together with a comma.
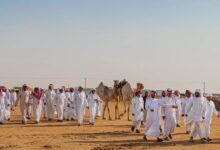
x: 100, y: 89
x: 116, y: 82
x: 101, y: 84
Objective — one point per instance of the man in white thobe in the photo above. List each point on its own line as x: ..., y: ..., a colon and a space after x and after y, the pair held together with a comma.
x: 66, y: 103
x: 99, y: 108
x: 44, y: 104
x: 30, y: 105
x: 137, y: 111
x: 93, y: 99
x: 211, y: 109
x: 169, y: 116
x: 13, y: 99
x: 71, y: 107
x: 2, y: 106
x: 81, y: 103
x: 24, y: 97
x: 196, y: 112
x: 145, y: 97
x: 50, y: 95
x: 60, y: 101
x: 37, y: 104
x: 162, y: 100
x: 152, y: 119
x: 185, y: 104
x: 177, y: 101
x: 7, y: 104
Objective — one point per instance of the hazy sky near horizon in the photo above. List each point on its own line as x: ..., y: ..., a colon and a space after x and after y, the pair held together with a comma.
x: 162, y: 43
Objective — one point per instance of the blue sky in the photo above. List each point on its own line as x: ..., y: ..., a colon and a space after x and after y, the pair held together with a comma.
x: 172, y: 43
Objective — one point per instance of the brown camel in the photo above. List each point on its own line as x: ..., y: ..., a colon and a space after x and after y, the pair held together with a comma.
x: 125, y: 93
x: 105, y: 93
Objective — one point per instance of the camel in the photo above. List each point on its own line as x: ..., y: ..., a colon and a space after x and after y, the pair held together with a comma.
x: 121, y: 91
x: 125, y: 93
x: 106, y: 94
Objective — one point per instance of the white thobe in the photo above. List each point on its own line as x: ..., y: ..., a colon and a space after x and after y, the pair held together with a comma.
x: 24, y: 97
x: 71, y: 107
x: 60, y: 101
x: 185, y: 105
x: 44, y: 105
x: 161, y: 123
x: 2, y: 107
x: 37, y: 107
x: 169, y: 123
x: 196, y: 111
x: 92, y: 103
x: 137, y: 110
x: 30, y: 104
x: 152, y: 118
x: 13, y: 99
x: 99, y: 108
x: 7, y: 105
x: 50, y: 95
x: 211, y: 109
x: 177, y: 101
x: 81, y: 103
x: 66, y: 104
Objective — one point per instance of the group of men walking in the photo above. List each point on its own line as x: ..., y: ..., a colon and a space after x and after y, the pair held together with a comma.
x: 63, y: 104
x: 162, y: 115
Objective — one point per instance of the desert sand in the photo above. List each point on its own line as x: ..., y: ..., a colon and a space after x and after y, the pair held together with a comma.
x: 105, y: 135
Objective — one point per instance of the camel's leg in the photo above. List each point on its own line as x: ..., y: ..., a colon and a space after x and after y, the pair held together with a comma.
x: 129, y: 106
x: 125, y: 106
x: 117, y: 115
x: 109, y: 111
x: 116, y: 110
x: 103, y: 116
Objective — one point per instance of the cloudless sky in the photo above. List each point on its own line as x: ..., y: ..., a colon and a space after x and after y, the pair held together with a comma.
x: 162, y: 43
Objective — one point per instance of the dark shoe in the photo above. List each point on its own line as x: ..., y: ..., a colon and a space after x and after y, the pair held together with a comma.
x: 166, y: 139
x: 177, y: 125
x: 170, y: 136
x: 29, y: 118
x: 203, y: 140
x: 188, y: 132
x: 36, y: 122
x: 159, y: 140
x: 209, y: 140
x: 9, y: 119
x: 191, y: 139
x: 50, y: 119
x: 132, y: 128
x: 1, y: 123
x: 145, y: 138
x: 138, y: 131
x: 23, y: 122
x: 79, y: 125
x: 92, y: 124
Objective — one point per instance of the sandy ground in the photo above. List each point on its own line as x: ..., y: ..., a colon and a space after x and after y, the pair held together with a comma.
x: 105, y: 135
